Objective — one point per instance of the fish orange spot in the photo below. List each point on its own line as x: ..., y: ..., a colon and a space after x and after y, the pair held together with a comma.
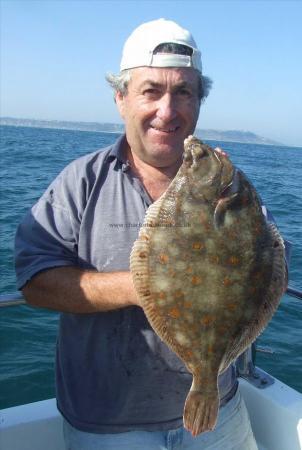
x: 189, y: 269
x: 234, y: 260
x: 163, y: 258
x: 189, y: 353
x: 175, y: 313
x: 188, y: 304
x: 195, y: 280
x: 231, y: 306
x: 222, y: 329
x: 204, y: 221
x: 197, y: 245
x: 227, y: 282
x: 207, y: 319
x: 210, y: 349
x: 178, y: 294
x: 162, y: 295
x: 214, y: 259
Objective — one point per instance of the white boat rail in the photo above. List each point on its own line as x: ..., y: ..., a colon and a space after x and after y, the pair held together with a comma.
x: 16, y: 298
x: 13, y: 299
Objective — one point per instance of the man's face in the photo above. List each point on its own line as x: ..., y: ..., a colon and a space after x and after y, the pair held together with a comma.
x: 160, y: 110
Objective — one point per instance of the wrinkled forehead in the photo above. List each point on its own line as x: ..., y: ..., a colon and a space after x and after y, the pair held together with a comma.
x: 165, y: 76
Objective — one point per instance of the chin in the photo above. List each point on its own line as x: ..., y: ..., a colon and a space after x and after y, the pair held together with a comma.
x: 174, y: 145
x: 165, y: 156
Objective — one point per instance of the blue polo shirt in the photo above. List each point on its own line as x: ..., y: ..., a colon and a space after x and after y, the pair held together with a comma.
x: 113, y: 373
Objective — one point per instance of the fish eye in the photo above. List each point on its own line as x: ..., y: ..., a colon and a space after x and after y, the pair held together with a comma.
x: 199, y: 153
x: 187, y: 157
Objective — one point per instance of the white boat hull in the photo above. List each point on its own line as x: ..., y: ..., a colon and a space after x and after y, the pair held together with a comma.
x: 275, y: 412
x: 276, y: 415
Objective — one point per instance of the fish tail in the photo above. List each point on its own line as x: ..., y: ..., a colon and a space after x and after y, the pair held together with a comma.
x: 200, y: 412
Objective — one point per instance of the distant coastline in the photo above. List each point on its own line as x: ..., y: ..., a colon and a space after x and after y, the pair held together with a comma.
x: 208, y: 134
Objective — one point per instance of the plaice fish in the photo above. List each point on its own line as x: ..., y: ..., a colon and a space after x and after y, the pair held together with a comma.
x: 209, y: 271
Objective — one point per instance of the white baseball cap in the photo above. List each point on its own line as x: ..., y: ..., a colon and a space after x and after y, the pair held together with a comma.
x: 139, y: 48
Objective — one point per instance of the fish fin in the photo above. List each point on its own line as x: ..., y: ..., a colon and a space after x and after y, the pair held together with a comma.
x: 140, y: 254
x: 139, y: 267
x: 200, y: 412
x: 272, y: 297
x: 221, y: 208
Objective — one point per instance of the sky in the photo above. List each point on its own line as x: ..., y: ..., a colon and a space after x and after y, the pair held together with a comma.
x: 55, y: 55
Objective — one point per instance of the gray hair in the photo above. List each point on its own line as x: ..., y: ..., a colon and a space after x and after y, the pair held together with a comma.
x: 120, y: 82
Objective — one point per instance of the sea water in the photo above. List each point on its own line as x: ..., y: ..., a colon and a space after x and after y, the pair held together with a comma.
x: 32, y: 157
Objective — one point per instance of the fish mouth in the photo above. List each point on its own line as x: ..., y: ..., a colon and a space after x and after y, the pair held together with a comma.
x: 194, y: 153
x: 211, y: 172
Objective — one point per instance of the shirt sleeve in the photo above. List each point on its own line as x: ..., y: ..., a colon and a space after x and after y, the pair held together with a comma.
x: 48, y: 235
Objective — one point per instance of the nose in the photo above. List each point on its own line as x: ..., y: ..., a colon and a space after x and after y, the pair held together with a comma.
x: 166, y: 108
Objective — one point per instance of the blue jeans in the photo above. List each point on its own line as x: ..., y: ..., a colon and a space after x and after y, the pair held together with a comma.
x: 232, y: 432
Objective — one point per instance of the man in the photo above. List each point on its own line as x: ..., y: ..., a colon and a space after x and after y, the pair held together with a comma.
x: 118, y: 385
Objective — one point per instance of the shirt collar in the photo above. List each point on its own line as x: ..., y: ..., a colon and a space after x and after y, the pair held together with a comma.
x: 117, y: 150
x: 117, y: 153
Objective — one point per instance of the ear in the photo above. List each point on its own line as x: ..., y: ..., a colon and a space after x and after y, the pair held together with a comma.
x: 120, y: 102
